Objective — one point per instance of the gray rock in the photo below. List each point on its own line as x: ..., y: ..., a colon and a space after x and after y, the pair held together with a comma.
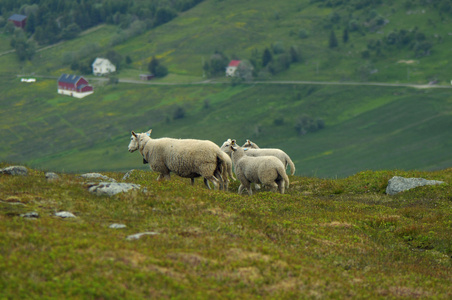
x: 139, y: 235
x: 97, y: 176
x: 112, y: 188
x: 14, y: 170
x: 117, y: 226
x: 30, y: 215
x: 127, y: 175
x: 399, y: 184
x: 52, y: 176
x: 65, y: 214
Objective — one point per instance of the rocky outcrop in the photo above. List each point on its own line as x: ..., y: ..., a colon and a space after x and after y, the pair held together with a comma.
x: 14, y: 170
x: 399, y: 184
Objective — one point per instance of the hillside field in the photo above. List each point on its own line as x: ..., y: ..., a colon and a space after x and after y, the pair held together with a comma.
x: 365, y: 127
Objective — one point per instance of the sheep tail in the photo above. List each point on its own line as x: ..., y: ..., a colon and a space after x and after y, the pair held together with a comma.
x: 292, y: 165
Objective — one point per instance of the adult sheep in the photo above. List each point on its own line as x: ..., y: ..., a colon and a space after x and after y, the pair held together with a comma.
x: 266, y: 170
x: 281, y: 155
x: 188, y: 158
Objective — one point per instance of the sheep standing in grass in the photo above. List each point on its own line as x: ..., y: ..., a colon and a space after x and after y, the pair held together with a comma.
x: 266, y: 170
x: 188, y: 158
x: 281, y: 155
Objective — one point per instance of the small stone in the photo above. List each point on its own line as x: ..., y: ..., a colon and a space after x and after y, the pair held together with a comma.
x: 96, y: 176
x: 52, y: 176
x: 117, y: 226
x: 127, y: 175
x: 30, y: 215
x: 139, y: 235
x: 65, y: 214
x: 111, y: 188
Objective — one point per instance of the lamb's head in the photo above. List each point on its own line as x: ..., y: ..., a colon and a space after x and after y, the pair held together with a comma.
x: 138, y: 140
x: 237, y: 152
x: 226, y: 146
x: 250, y: 144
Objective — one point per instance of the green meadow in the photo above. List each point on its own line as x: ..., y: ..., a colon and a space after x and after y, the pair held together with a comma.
x: 365, y: 127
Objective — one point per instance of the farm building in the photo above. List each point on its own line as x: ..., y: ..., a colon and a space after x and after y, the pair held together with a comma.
x: 146, y: 76
x: 232, y: 67
x: 74, y: 86
x: 102, y: 66
x: 18, y: 20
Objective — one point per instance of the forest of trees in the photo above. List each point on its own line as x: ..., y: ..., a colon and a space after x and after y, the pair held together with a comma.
x: 49, y: 21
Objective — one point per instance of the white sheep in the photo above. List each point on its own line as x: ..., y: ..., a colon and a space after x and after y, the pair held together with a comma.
x: 283, y: 157
x: 266, y: 170
x: 188, y: 158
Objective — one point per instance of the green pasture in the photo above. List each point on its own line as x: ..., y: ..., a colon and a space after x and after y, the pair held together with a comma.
x: 366, y: 127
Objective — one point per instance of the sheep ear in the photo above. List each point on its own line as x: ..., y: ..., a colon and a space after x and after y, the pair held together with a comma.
x: 148, y: 133
x: 134, y: 134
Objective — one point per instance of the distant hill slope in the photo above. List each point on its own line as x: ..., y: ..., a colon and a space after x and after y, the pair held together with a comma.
x: 366, y: 127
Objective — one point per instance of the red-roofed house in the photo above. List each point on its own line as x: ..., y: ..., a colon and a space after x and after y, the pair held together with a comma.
x: 73, y: 85
x: 232, y: 67
x: 18, y: 20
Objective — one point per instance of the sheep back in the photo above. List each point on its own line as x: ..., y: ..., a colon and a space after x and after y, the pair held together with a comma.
x: 185, y: 157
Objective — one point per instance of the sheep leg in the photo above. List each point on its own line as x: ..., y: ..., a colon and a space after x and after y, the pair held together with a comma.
x: 163, y: 176
x: 246, y: 186
x: 281, y: 186
x: 214, y: 180
x: 206, y: 182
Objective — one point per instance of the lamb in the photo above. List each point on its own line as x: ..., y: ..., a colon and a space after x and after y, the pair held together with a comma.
x: 188, y: 158
x: 266, y: 170
x: 285, y: 159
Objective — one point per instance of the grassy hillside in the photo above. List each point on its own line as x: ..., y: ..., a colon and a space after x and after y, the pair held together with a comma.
x: 324, y: 238
x: 366, y: 127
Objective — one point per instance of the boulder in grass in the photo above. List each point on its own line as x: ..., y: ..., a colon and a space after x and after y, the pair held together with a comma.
x: 15, y: 170
x: 112, y: 188
x: 399, y: 184
x: 97, y: 176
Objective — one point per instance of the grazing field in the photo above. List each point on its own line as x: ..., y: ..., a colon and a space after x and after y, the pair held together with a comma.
x: 324, y: 238
x: 364, y: 127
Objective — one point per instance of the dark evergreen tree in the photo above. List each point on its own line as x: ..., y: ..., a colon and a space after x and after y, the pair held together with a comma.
x: 345, y: 35
x: 333, y: 40
x: 267, y: 57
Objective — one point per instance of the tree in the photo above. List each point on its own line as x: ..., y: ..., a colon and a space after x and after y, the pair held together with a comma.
x: 217, y: 64
x: 345, y: 35
x: 333, y: 40
x: 153, y: 65
x: 294, y: 54
x: 70, y: 32
x: 156, y: 68
x: 245, y: 70
x: 267, y: 57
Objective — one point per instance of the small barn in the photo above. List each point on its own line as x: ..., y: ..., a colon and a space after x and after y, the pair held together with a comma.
x: 103, y: 66
x: 146, y: 76
x: 18, y: 20
x: 74, y: 86
x: 232, y: 67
